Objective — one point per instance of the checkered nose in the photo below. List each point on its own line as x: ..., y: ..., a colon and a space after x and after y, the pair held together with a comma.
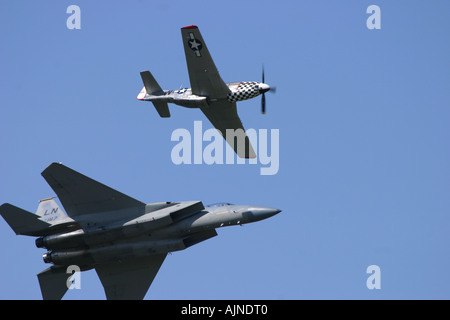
x: 262, y: 87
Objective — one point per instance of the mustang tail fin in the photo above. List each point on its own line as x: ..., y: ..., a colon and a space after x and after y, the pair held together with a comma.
x: 152, y: 87
x: 23, y: 222
x: 150, y: 84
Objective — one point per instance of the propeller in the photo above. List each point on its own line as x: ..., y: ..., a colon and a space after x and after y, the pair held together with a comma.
x: 263, y: 97
x: 263, y: 104
x: 264, y: 88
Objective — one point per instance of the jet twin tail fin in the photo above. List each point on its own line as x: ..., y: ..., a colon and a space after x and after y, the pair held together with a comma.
x: 25, y: 223
x: 49, y: 211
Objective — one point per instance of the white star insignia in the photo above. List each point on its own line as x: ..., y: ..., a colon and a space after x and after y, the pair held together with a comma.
x: 194, y: 44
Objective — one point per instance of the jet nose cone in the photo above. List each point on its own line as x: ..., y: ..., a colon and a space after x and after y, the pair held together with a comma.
x: 263, y: 87
x: 265, y: 212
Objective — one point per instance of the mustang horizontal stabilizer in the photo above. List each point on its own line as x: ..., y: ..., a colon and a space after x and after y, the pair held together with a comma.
x: 81, y: 195
x: 129, y: 280
x: 162, y: 108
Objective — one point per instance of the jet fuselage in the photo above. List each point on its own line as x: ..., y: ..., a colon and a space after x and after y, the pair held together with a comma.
x: 151, y: 233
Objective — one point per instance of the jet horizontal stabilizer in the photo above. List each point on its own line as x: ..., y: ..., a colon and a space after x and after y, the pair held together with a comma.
x: 23, y: 222
x: 53, y: 282
x: 131, y: 279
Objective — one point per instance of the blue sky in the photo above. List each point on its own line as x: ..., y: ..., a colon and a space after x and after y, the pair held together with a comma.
x: 363, y: 117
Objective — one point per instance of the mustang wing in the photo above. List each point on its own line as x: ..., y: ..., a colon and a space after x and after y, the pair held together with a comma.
x: 223, y: 115
x: 203, y: 74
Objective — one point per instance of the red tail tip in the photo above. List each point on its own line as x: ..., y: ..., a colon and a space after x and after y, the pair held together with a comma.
x: 190, y: 27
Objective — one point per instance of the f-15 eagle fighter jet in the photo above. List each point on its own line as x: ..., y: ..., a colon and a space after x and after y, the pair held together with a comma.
x: 123, y: 239
x: 215, y: 98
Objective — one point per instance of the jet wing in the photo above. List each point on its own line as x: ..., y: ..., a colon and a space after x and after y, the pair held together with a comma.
x: 129, y: 280
x: 223, y: 115
x: 81, y: 195
x: 203, y: 74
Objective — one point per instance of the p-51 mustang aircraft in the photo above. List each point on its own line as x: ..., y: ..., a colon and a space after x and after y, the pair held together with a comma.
x: 215, y: 98
x: 125, y: 240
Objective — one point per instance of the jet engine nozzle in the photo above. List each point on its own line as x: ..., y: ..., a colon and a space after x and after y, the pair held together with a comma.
x: 47, y: 257
x: 40, y: 242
